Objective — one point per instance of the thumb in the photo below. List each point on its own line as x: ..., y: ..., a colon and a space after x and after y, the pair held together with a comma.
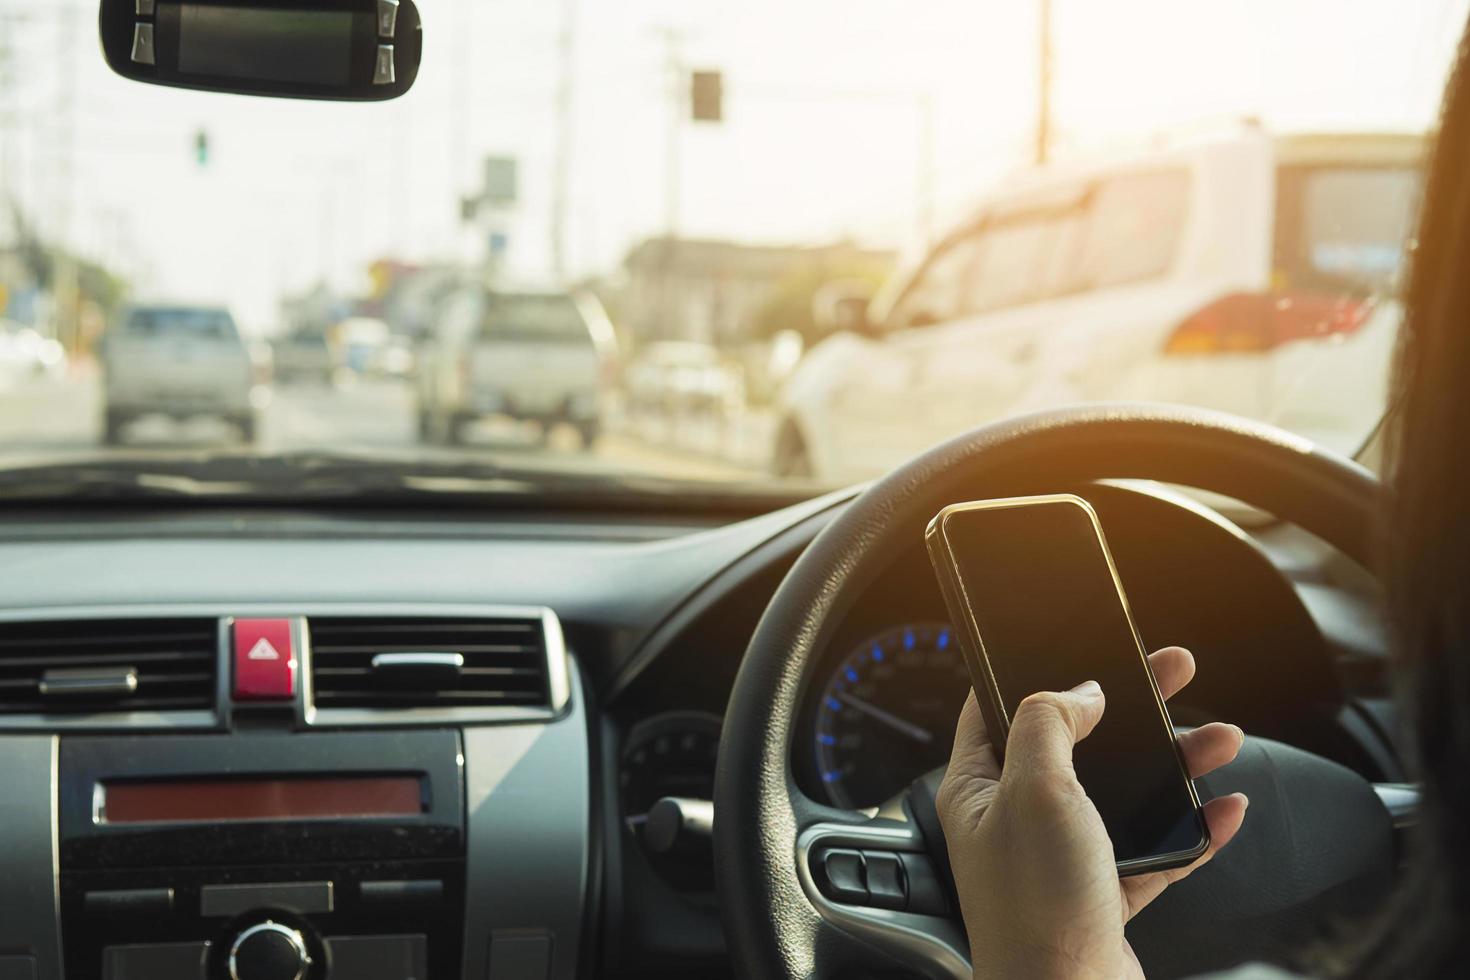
x: 1048, y: 724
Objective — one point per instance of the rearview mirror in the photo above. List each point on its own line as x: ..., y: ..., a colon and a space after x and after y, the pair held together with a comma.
x: 356, y: 50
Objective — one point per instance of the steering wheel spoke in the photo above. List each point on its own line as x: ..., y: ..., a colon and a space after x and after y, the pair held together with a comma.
x: 876, y: 881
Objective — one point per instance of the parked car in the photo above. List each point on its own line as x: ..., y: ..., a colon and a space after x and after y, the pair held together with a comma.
x: 176, y: 361
x: 25, y: 353
x: 537, y: 355
x: 682, y: 379
x: 361, y: 340
x: 303, y: 356
x: 393, y: 359
x: 1245, y: 272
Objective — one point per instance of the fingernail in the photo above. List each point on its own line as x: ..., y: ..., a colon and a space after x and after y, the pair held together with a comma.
x: 1239, y: 731
x: 1088, y: 689
x: 1245, y: 801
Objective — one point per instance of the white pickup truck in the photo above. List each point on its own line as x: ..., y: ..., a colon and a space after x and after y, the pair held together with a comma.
x: 525, y: 354
x: 176, y: 361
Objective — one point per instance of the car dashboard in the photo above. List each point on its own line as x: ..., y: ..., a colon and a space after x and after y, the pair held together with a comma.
x: 394, y: 744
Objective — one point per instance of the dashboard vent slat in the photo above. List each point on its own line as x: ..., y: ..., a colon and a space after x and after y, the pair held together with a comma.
x: 504, y: 662
x: 168, y: 664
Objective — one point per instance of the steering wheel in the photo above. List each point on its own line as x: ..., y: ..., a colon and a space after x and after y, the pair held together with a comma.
x: 1317, y: 832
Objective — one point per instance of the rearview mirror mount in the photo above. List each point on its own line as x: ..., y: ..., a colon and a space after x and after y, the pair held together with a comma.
x: 353, y: 50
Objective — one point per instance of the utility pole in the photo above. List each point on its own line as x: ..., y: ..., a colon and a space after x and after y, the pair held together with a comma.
x: 459, y: 108
x: 565, y: 118
x: 1043, y: 107
x: 927, y: 166
x: 673, y: 40
x: 64, y: 281
x: 8, y: 110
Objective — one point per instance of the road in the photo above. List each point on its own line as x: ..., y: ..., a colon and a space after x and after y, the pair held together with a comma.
x: 47, y: 420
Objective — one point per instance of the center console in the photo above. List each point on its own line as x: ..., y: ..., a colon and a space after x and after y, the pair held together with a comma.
x: 357, y: 803
x: 263, y: 857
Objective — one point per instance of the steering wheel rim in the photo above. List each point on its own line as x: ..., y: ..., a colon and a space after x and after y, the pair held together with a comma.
x: 767, y: 824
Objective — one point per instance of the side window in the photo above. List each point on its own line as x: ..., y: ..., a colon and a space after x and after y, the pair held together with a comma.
x: 1011, y: 261
x: 1133, y: 228
x: 1057, y: 274
x: 936, y: 295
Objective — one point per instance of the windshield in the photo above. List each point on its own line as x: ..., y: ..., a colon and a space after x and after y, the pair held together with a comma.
x: 178, y: 322
x: 761, y: 247
x: 532, y: 318
x: 1349, y: 225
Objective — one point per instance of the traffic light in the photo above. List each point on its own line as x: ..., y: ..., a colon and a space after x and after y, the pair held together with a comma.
x: 201, y: 148
x: 707, y: 96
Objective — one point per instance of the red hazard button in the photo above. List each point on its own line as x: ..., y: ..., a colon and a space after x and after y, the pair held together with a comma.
x: 265, y: 663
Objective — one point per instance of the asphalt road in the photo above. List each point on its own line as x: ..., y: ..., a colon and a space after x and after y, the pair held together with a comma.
x: 46, y: 420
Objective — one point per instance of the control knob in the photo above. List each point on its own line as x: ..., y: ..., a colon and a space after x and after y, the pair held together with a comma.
x: 269, y: 951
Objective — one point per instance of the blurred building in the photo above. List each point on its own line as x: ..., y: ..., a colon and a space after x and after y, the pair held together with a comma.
x: 18, y: 289
x: 716, y: 292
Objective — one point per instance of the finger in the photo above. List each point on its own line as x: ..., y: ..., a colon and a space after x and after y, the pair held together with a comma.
x: 1173, y: 669
x: 974, y: 754
x: 1224, y: 817
x: 1047, y: 725
x: 1209, y: 747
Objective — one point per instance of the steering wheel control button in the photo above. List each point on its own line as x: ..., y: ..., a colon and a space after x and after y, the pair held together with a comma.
x: 925, y: 891
x: 130, y: 901
x: 302, y: 897
x: 887, y: 886
x: 265, y: 660
x: 842, y: 876
x: 269, y: 951
x: 380, y: 957
x: 161, y: 961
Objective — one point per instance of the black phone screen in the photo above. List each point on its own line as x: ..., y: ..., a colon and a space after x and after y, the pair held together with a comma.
x: 1039, y: 585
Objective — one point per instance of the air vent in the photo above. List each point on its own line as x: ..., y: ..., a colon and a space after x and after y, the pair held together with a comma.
x: 91, y: 666
x: 429, y: 662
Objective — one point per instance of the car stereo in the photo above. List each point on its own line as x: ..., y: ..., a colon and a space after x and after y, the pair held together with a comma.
x: 263, y: 856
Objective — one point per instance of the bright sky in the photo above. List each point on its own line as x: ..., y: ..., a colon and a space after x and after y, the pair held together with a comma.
x: 823, y: 137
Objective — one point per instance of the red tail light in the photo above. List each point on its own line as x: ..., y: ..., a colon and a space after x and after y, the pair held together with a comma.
x: 1243, y: 323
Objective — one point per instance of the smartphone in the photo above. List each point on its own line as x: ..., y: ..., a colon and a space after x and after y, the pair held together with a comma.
x: 1037, y: 606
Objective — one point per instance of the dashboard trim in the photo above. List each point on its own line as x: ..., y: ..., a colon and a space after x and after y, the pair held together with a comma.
x: 773, y: 547
x: 218, y: 718
x: 30, y: 909
x: 557, y: 675
x: 538, y: 887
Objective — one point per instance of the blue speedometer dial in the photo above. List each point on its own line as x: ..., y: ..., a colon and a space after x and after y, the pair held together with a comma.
x: 887, y: 713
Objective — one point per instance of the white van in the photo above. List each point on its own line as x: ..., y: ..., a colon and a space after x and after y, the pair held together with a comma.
x: 1246, y: 272
x: 526, y: 354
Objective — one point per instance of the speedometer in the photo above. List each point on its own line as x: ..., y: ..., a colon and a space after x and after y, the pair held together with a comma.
x: 887, y: 713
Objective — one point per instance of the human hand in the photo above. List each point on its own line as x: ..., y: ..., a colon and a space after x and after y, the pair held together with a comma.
x: 1037, y: 881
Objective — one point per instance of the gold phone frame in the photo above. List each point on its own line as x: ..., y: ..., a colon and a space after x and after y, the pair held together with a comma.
x: 997, y: 719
